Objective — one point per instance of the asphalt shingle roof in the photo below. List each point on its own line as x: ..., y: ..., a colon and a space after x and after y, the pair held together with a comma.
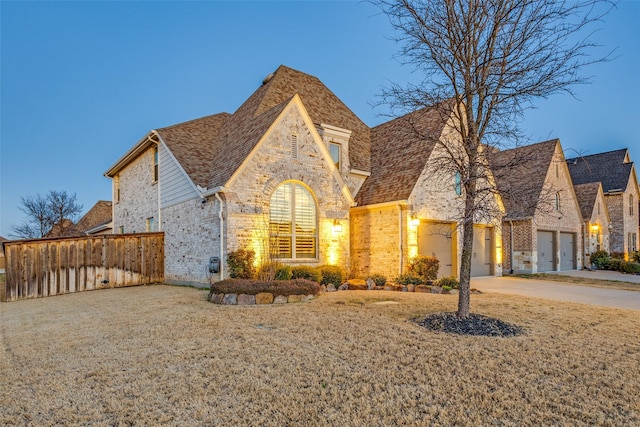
x: 608, y: 168
x: 520, y: 174
x: 400, y: 149
x: 211, y: 148
x: 99, y: 214
x: 587, y: 194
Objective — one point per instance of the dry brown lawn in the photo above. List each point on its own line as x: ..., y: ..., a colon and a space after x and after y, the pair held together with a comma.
x: 162, y: 355
x: 582, y: 281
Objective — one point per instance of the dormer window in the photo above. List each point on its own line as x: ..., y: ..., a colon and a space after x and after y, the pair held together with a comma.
x: 336, y: 154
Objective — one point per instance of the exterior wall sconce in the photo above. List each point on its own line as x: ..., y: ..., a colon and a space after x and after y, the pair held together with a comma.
x: 337, y: 227
x: 415, y: 221
x: 594, y: 228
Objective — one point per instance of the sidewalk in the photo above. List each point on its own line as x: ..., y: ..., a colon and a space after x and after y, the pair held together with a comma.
x: 599, y: 274
x: 561, y: 292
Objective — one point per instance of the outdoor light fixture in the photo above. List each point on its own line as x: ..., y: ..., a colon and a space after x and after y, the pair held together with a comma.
x: 415, y: 221
x: 337, y: 227
x: 594, y: 228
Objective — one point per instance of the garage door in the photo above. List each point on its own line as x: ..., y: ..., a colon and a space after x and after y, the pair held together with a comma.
x: 545, y: 250
x: 567, y: 251
x: 481, y: 257
x: 435, y: 239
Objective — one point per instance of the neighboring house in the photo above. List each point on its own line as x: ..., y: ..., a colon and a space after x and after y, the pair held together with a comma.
x: 64, y: 228
x: 542, y: 228
x: 2, y: 258
x: 595, y: 234
x: 286, y: 175
x: 409, y: 206
x: 97, y: 220
x: 617, y: 173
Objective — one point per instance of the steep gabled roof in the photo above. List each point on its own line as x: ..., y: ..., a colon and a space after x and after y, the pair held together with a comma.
x: 520, y: 175
x: 194, y: 144
x: 400, y: 149
x: 587, y: 195
x: 212, y: 148
x: 99, y: 214
x: 612, y: 169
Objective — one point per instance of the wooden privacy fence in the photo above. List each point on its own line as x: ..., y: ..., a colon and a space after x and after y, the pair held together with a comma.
x: 45, y: 267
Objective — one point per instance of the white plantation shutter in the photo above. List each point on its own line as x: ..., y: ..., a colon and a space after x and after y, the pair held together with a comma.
x: 293, y: 223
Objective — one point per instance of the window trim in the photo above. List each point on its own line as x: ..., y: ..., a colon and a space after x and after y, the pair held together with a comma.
x: 457, y: 182
x: 294, y: 233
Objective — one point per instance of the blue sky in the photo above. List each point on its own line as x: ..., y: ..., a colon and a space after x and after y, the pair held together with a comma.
x: 81, y: 82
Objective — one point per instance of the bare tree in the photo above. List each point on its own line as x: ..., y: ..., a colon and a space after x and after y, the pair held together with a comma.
x: 490, y: 59
x: 57, y: 211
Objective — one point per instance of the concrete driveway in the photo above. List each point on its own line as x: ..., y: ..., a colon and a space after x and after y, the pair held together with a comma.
x: 561, y: 292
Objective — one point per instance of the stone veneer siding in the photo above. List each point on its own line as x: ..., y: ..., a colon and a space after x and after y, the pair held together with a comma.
x: 138, y: 196
x: 622, y: 222
x: 248, y: 196
x: 192, y: 236
x: 375, y: 247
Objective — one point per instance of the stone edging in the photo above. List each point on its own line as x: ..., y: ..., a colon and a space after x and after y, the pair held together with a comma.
x: 258, y: 299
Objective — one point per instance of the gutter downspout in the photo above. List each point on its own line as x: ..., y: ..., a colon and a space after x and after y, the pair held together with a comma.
x: 221, y: 235
x: 511, y: 252
x: 401, y: 237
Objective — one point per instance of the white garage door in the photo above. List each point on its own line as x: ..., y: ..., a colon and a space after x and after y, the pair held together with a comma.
x: 481, y: 256
x: 545, y: 250
x: 435, y: 239
x: 567, y: 251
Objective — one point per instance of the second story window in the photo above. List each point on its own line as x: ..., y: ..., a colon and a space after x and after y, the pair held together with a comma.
x: 155, y: 164
x: 116, y: 188
x: 334, y: 150
x: 458, y: 183
x: 630, y: 204
x: 557, y: 201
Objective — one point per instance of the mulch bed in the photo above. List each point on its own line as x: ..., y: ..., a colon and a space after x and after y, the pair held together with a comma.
x: 475, y: 324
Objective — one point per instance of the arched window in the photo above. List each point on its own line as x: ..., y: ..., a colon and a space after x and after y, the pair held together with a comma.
x: 558, y: 201
x: 293, y: 229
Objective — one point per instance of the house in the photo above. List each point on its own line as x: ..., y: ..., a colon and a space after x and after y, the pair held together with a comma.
x: 97, y: 220
x: 595, y: 234
x: 617, y: 173
x: 543, y: 222
x: 410, y: 206
x: 296, y: 176
x: 2, y: 258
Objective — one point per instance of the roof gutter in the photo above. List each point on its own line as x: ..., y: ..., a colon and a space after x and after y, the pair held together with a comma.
x: 134, y: 152
x: 210, y: 192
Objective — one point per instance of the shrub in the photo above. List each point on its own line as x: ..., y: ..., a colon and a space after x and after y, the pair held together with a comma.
x: 615, y: 264
x: 378, y: 279
x: 306, y: 272
x: 446, y: 288
x: 275, y: 287
x: 274, y: 270
x: 425, y: 267
x: 448, y: 282
x: 617, y: 255
x: 240, y: 264
x: 600, y: 259
x: 630, y: 267
x: 331, y: 275
x: 635, y: 256
x: 410, y: 279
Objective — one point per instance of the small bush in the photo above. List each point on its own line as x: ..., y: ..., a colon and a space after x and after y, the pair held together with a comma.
x: 630, y: 267
x: 378, y: 279
x: 275, y: 287
x: 600, y: 259
x: 331, y: 275
x: 617, y: 255
x: 635, y: 256
x: 306, y: 272
x: 615, y: 264
x: 446, y: 288
x: 240, y: 264
x: 425, y: 267
x: 274, y: 270
x: 410, y: 279
x: 449, y: 282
